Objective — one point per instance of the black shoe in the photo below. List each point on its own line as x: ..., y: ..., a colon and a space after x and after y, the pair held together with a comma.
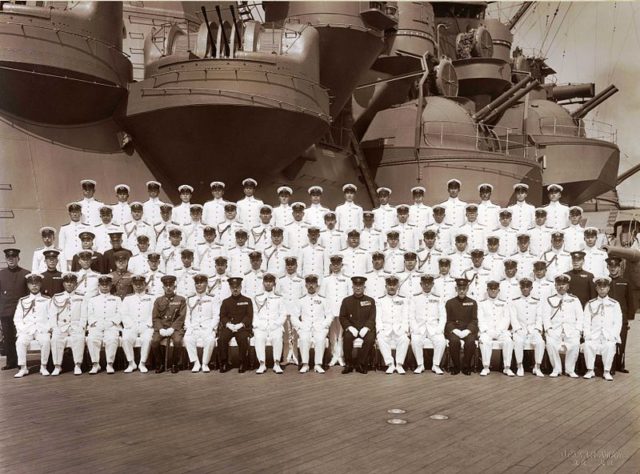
x: 213, y: 366
x: 174, y: 369
x: 159, y: 369
x: 347, y: 369
x: 455, y: 371
x: 466, y: 371
x: 9, y: 367
x: 241, y: 369
x: 622, y: 371
x: 224, y: 367
x: 361, y: 369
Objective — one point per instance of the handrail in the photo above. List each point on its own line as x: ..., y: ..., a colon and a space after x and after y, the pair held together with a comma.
x: 586, y: 128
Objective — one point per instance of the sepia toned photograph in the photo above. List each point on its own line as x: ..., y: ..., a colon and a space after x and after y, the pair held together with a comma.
x: 319, y: 236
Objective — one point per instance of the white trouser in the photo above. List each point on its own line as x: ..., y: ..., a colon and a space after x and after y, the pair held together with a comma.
x: 607, y: 350
x: 129, y: 336
x: 96, y: 338
x: 22, y: 345
x: 260, y: 344
x: 417, y: 346
x: 553, y: 349
x: 208, y: 338
x: 59, y: 342
x: 486, y: 346
x: 521, y: 339
x: 335, y: 338
x: 318, y: 338
x: 401, y: 343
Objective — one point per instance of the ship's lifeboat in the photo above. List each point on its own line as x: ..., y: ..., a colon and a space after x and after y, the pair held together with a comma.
x: 62, y: 66
x: 450, y: 145
x: 202, y: 111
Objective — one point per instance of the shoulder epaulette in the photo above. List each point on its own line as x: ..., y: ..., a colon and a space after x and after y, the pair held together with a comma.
x: 516, y: 298
x: 591, y: 300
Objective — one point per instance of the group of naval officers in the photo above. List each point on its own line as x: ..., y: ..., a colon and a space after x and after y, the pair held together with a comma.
x: 297, y: 276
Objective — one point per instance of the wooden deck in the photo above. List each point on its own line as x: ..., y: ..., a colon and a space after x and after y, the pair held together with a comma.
x: 320, y: 423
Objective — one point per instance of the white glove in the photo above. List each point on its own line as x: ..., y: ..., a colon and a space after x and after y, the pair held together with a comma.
x: 457, y: 332
x: 465, y: 333
x: 170, y: 331
x: 353, y: 331
x: 163, y: 332
x: 231, y: 327
x: 364, y: 331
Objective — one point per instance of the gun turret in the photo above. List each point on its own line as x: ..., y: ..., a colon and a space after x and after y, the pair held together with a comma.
x: 505, y: 105
x: 593, y: 103
x: 501, y: 99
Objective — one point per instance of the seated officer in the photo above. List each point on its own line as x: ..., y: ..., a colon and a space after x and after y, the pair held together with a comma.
x: 427, y: 318
x: 136, y: 311
x: 392, y: 326
x: 68, y: 323
x: 201, y: 323
x: 602, y: 325
x: 562, y: 318
x: 103, y: 324
x: 358, y: 319
x: 494, y: 318
x: 528, y: 312
x: 32, y: 323
x: 269, y: 315
x: 169, y: 312
x: 236, y: 320
x: 462, y: 325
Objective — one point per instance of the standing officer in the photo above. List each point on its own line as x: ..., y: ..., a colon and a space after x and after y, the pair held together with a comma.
x: 51, y: 278
x: 236, y: 320
x: 462, y: 325
x: 109, y: 256
x: 581, y: 283
x: 249, y: 206
x: 169, y: 313
x: 13, y: 286
x: 621, y: 290
x: 121, y: 277
x: 90, y: 206
x: 358, y: 319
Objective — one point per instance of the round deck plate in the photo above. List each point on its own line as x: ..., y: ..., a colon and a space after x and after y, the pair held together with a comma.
x: 397, y: 421
x: 396, y: 411
x: 439, y: 417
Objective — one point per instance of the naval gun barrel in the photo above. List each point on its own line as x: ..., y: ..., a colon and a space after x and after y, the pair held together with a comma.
x: 593, y: 103
x: 573, y: 91
x: 627, y: 174
x: 224, y: 33
x: 487, y: 109
x: 505, y: 105
x: 628, y: 253
x: 206, y: 22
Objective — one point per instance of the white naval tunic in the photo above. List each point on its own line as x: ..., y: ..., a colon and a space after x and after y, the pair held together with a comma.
x: 454, y: 211
x: 392, y: 327
x: 90, y: 211
x: 68, y: 323
x: 31, y: 319
x: 523, y: 215
x: 213, y: 212
x: 136, y: 311
x: 249, y: 211
x: 103, y: 324
x: 557, y: 215
x: 427, y: 318
x: 349, y: 216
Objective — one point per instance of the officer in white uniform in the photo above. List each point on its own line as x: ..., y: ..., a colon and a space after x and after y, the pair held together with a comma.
x: 522, y: 212
x: 475, y: 232
x: 316, y: 211
x: 370, y: 237
x: 542, y: 286
x: 139, y: 263
x: 493, y: 259
x: 252, y: 280
x: 137, y: 227
x: 213, y: 210
x: 478, y: 276
x: 524, y: 257
x: 355, y: 259
x: 313, y: 259
x: 185, y: 286
x: 226, y: 229
x: 259, y: 235
x: 495, y: 316
x: 427, y: 318
x: 218, y: 287
x: 376, y: 278
x: 154, y: 275
x: 69, y: 235
x: 90, y: 206
x: 103, y: 324
x: 282, y: 213
x: 392, y: 326
x: 68, y: 324
x: 201, y: 323
x: 249, y: 206
x: 420, y: 215
x: 291, y: 288
x: 87, y: 284
x: 408, y: 234
x: 171, y: 254
x: 558, y: 260
x: 442, y: 229
x: 239, y: 254
x: 269, y: 315
x: 409, y: 278
x: 161, y: 228
x: 508, y: 235
x: 540, y: 233
x: 574, y: 232
x: 557, y: 213
x: 335, y: 287
x: 602, y: 326
x: 509, y: 285
x: 273, y: 257
x: 208, y: 251
x: 562, y: 318
x: 194, y: 230
x: 528, y: 312
x: 312, y: 323
x: 182, y: 212
x: 31, y: 320
x: 136, y: 313
x: 385, y: 216
x: 295, y: 233
x: 428, y: 254
x: 460, y: 259
x: 122, y: 209
x: 393, y: 253
x: 487, y: 211
x: 38, y: 264
x: 151, y: 206
x: 445, y: 284
x: 349, y: 214
x: 595, y: 259
x: 455, y: 208
x: 332, y: 239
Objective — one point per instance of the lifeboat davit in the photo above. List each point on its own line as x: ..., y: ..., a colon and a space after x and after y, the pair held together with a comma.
x: 62, y: 66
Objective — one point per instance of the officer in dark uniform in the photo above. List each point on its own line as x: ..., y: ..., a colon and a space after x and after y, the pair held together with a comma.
x: 121, y: 284
x: 13, y: 286
x: 358, y: 319
x: 97, y: 259
x: 462, y: 325
x: 51, y: 278
x: 621, y: 290
x: 109, y: 257
x: 236, y: 320
x: 581, y: 284
x: 169, y: 313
